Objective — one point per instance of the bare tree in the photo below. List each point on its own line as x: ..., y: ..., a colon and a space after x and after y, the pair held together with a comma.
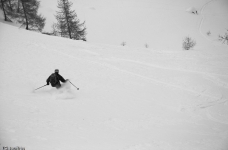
x: 188, y: 43
x: 209, y: 33
x: 224, y: 38
x: 54, y: 29
x: 123, y: 43
x: 146, y: 45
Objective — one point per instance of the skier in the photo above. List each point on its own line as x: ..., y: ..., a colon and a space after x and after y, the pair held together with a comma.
x: 55, y: 79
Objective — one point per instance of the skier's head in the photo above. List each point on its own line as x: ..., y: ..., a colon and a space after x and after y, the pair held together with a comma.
x: 56, y: 70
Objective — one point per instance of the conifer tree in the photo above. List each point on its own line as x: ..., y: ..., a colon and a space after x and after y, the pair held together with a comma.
x: 10, y: 4
x: 3, y: 8
x: 9, y: 9
x: 68, y: 25
x: 28, y: 15
x: 18, y: 6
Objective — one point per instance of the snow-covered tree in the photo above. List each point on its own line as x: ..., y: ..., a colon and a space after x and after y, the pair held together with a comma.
x: 68, y: 25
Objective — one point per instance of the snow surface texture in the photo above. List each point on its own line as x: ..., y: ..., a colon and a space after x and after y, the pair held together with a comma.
x: 129, y: 98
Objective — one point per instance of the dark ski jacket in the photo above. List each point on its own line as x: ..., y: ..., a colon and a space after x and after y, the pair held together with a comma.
x: 59, y: 78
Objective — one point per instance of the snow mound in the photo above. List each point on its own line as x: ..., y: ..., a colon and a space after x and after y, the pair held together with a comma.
x: 192, y: 10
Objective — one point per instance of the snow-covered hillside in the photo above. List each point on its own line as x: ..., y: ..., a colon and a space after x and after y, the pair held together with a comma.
x: 161, y: 24
x: 129, y: 98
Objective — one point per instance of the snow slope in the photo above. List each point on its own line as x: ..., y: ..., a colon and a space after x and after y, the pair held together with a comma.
x: 129, y: 98
x: 161, y: 24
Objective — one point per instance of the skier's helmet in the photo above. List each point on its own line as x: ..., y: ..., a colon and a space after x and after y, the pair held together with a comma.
x: 57, y: 70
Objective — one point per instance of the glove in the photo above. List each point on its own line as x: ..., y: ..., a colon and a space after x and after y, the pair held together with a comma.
x: 47, y: 83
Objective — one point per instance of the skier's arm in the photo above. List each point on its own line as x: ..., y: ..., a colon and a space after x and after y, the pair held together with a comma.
x: 61, y: 78
x: 48, y: 80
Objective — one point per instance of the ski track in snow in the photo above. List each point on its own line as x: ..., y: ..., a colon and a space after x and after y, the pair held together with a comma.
x: 210, y: 116
x: 211, y: 100
x: 202, y: 20
x: 209, y: 76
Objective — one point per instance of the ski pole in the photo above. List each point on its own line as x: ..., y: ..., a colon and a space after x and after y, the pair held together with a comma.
x: 74, y: 85
x: 40, y: 87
